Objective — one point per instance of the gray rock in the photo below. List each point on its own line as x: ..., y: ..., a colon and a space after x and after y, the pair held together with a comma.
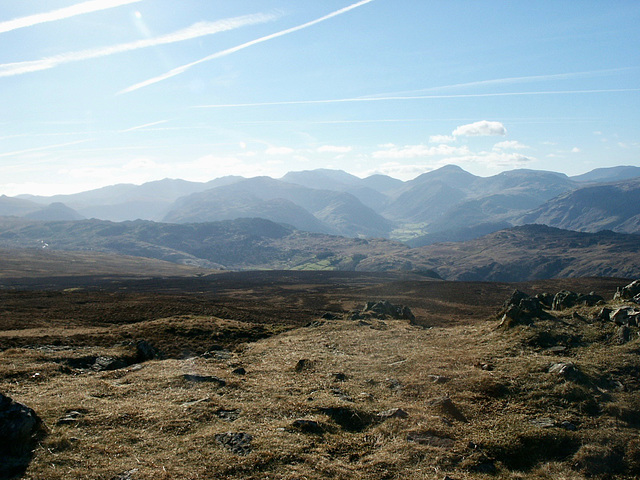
x: 393, y: 413
x: 567, y: 425
x: 144, y: 351
x: 70, y: 418
x: 629, y: 291
x: 564, y: 369
x: 227, y: 414
x: 204, y: 379
x: 238, y: 443
x: 339, y: 377
x: 623, y: 335
x: 128, y: 475
x: 341, y: 395
x: 303, y: 364
x: 438, y: 378
x: 20, y: 427
x: 564, y: 299
x: 383, y: 309
x: 544, y: 422
x: 109, y: 363
x: 604, y: 315
x: 431, y: 439
x: 394, y: 384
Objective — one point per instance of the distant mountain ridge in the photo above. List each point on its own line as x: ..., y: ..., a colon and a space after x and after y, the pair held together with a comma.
x: 612, y: 206
x: 442, y: 205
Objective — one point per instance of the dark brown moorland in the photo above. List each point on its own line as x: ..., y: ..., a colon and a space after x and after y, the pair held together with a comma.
x: 250, y: 381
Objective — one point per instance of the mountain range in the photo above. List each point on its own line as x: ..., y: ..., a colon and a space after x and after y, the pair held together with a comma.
x: 447, y: 204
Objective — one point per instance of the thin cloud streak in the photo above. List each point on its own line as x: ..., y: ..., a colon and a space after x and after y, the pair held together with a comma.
x: 194, y: 31
x: 139, y: 127
x: 416, y: 97
x: 62, y: 13
x: 512, y: 80
x: 40, y: 149
x: 184, y: 68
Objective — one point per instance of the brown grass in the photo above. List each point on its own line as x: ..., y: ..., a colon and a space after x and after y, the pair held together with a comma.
x: 150, y: 419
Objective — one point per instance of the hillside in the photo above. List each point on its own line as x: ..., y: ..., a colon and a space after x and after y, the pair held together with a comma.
x: 614, y: 206
x: 535, y: 252
x: 520, y: 253
x: 341, y: 213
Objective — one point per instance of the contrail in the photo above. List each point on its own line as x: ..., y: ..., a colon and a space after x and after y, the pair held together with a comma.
x: 39, y: 149
x: 197, y: 30
x: 62, y: 13
x: 184, y: 68
x: 512, y: 80
x: 416, y: 97
x: 138, y: 127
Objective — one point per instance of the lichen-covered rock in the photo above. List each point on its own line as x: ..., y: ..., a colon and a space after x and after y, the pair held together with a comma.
x: 629, y: 291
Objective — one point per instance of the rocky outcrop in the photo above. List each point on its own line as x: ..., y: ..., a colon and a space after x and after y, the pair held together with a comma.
x: 629, y: 291
x: 383, y: 309
x: 566, y: 299
x: 521, y: 309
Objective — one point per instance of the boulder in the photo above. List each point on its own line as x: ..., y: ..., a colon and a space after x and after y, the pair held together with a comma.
x: 20, y: 428
x: 564, y: 299
x: 145, y: 352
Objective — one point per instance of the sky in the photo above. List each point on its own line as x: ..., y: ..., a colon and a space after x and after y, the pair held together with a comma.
x: 100, y: 92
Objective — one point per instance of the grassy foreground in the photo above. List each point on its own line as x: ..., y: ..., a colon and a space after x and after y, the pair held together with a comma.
x: 321, y: 401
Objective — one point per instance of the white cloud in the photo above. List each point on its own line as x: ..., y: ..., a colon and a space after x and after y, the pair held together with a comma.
x: 334, y: 149
x: 442, y: 139
x: 417, y: 151
x: 510, y: 145
x: 481, y: 128
x: 223, y: 53
x: 279, y: 151
x: 575, y: 150
x: 62, y: 13
x: 194, y: 31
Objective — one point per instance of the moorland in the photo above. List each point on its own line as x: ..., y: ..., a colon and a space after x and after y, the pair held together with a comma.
x: 286, y: 374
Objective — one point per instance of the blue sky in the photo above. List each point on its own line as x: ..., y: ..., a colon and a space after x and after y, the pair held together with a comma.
x: 126, y: 91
